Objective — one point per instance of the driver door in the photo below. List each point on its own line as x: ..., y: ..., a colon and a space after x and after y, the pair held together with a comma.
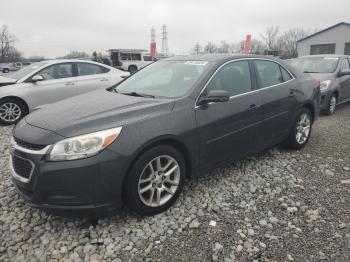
x: 344, y: 81
x: 59, y: 83
x: 228, y: 130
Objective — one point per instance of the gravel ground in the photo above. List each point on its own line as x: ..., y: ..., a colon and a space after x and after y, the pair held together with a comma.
x: 279, y: 206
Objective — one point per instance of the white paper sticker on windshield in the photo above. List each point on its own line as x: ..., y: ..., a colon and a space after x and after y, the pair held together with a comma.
x: 199, y: 63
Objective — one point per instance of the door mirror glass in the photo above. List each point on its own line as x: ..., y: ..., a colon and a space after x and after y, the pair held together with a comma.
x: 215, y: 96
x: 36, y: 78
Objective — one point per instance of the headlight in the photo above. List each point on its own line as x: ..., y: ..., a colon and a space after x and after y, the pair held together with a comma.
x: 325, y: 84
x: 83, y: 146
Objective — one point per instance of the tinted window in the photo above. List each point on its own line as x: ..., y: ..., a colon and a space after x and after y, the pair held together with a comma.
x: 285, y: 74
x: 147, y: 58
x: 85, y: 69
x: 345, y: 64
x: 57, y: 71
x: 233, y: 78
x: 136, y: 57
x: 125, y: 56
x: 269, y: 73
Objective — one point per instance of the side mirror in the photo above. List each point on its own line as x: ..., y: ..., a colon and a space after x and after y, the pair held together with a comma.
x: 344, y: 72
x: 36, y: 78
x: 214, y: 96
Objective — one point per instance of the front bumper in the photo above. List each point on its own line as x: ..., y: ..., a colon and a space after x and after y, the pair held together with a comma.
x: 92, y: 185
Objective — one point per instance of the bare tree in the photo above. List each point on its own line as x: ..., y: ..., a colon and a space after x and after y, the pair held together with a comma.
x: 210, y: 48
x: 224, y: 48
x: 288, y: 41
x: 257, y: 46
x: 197, y: 49
x: 270, y: 37
x: 8, y: 53
x: 75, y: 54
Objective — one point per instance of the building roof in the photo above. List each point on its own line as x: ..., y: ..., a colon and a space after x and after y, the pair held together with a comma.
x: 324, y: 30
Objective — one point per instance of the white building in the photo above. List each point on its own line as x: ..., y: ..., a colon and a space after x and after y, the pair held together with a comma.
x: 332, y: 40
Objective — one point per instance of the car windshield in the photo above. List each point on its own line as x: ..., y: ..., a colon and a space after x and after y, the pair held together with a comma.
x: 164, y: 79
x: 27, y: 70
x: 315, y: 64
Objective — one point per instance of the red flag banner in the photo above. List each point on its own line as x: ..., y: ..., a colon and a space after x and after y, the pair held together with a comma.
x: 247, y: 44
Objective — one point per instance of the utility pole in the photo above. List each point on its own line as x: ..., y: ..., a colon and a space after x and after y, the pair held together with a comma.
x: 165, y: 48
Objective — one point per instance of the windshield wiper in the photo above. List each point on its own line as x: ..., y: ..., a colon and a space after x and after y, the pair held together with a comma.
x: 137, y: 94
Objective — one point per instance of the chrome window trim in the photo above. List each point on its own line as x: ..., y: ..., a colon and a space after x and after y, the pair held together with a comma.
x: 18, y: 177
x: 29, y: 151
x: 250, y: 92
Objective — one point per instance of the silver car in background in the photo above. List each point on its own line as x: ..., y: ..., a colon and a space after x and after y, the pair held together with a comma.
x: 47, y: 82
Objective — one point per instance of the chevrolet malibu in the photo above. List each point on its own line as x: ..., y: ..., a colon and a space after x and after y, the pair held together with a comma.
x: 136, y: 143
x: 50, y: 81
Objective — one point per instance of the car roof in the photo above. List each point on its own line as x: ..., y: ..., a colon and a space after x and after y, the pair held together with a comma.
x: 216, y: 57
x: 55, y: 61
x: 324, y: 55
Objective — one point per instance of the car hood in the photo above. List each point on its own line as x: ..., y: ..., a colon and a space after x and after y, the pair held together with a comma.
x: 96, y: 111
x: 322, y: 77
x: 7, y: 81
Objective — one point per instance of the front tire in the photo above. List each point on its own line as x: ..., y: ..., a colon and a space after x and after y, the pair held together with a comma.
x: 155, y: 180
x: 11, y: 111
x: 332, y: 103
x: 301, y: 130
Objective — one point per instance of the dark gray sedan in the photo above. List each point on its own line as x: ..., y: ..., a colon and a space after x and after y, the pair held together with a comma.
x: 137, y: 142
x: 333, y: 72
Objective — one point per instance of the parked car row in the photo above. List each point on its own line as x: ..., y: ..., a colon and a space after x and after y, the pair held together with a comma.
x: 136, y: 142
x: 6, y: 68
x: 50, y: 81
x: 333, y: 72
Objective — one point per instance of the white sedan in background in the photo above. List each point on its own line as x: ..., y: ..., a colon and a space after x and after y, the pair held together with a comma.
x: 50, y: 81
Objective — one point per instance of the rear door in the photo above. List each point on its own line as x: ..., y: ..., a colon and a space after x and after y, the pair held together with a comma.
x: 91, y: 77
x: 228, y: 130
x: 344, y: 81
x: 58, y: 84
x: 278, y: 97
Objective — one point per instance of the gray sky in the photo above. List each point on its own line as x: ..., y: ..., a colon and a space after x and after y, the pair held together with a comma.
x: 54, y: 27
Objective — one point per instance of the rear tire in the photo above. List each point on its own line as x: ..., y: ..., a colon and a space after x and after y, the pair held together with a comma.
x: 155, y: 180
x: 301, y: 130
x: 132, y: 70
x: 11, y: 111
x: 5, y: 70
x: 332, y: 103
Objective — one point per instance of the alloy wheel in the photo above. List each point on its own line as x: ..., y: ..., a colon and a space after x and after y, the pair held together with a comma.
x: 10, y: 112
x: 303, y: 128
x: 332, y: 104
x: 159, y: 181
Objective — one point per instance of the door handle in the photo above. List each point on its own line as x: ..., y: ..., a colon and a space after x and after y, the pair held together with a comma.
x: 253, y: 107
x: 69, y: 84
x: 292, y: 94
x: 104, y: 79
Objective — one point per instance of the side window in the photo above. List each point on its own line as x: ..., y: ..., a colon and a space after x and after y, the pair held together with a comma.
x: 233, y: 78
x: 285, y: 74
x: 85, y: 69
x: 269, y: 73
x: 136, y: 57
x: 125, y: 56
x: 57, y: 71
x: 147, y: 58
x: 345, y: 64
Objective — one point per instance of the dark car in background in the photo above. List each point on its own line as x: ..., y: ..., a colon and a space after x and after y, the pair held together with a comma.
x: 333, y: 71
x: 137, y: 142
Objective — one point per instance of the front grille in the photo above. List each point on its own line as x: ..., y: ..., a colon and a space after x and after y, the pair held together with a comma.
x: 28, y: 145
x: 22, y: 167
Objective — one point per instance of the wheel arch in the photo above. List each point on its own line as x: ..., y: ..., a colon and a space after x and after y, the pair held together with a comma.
x: 311, y: 108
x: 170, y: 141
x: 18, y: 99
